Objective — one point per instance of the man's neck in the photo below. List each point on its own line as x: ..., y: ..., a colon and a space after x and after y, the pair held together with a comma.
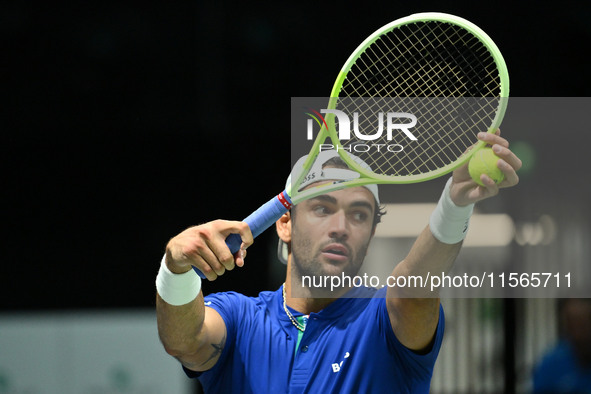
x: 308, y: 305
x: 306, y: 300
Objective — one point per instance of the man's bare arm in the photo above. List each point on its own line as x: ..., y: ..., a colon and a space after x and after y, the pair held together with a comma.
x: 414, y: 314
x: 192, y: 333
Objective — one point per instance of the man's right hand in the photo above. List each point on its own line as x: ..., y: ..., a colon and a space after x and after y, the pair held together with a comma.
x: 204, y: 247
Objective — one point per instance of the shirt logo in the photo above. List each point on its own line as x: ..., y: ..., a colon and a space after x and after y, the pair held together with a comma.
x: 336, y: 367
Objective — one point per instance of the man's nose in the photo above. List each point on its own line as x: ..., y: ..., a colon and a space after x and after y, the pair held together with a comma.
x: 338, y: 225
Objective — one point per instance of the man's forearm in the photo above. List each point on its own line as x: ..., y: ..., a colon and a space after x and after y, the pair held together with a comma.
x: 189, y: 331
x: 414, y: 310
x: 179, y: 326
x: 428, y: 256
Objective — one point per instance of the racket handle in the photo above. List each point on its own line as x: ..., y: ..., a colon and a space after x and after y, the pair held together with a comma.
x: 259, y: 221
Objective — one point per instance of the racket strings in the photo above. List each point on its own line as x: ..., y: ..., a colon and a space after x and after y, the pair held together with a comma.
x: 408, y: 62
x: 423, y: 60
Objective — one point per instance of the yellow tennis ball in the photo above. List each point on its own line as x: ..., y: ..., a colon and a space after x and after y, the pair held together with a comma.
x: 484, y: 161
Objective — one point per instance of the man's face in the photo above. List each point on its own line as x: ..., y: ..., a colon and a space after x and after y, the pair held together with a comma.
x: 331, y: 232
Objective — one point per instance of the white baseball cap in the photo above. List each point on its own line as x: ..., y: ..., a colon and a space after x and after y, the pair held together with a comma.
x: 318, y: 174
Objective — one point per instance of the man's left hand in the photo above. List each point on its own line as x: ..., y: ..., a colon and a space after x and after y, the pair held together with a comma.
x: 465, y: 191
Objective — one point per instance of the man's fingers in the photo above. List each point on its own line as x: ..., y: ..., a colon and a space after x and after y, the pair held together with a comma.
x: 218, y: 262
x: 508, y: 156
x: 492, y: 139
x: 217, y: 244
x: 206, y: 268
x: 240, y: 228
x: 239, y: 257
x: 221, y: 254
x: 196, y: 252
x: 471, y: 192
x: 509, y: 163
x: 205, y: 248
x: 511, y: 177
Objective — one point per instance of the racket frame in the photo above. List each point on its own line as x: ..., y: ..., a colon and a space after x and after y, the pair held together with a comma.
x: 407, y: 179
x: 271, y: 211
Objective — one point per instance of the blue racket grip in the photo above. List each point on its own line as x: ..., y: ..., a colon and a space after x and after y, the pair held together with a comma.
x: 259, y: 221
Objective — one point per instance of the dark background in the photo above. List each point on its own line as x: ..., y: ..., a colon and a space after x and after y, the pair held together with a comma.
x: 124, y: 123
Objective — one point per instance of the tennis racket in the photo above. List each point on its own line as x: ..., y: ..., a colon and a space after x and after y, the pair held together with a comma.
x: 429, y: 60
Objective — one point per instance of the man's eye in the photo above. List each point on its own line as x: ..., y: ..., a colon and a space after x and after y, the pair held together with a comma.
x: 360, y: 216
x: 321, y: 210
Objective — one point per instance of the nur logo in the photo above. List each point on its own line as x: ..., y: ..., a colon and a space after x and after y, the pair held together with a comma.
x: 345, y: 134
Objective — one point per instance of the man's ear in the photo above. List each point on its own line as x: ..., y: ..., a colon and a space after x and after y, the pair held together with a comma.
x: 283, y: 226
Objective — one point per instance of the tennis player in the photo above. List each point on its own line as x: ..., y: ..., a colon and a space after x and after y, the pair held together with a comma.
x: 350, y: 340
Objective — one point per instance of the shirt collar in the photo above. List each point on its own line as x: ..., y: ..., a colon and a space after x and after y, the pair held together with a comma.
x: 354, y: 298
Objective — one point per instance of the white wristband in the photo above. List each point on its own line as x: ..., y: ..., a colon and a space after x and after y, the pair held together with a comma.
x: 448, y: 222
x: 177, y: 289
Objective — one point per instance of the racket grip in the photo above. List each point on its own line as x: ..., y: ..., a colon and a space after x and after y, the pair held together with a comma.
x: 259, y: 221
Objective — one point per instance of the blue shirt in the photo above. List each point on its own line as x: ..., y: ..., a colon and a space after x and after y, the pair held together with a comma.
x: 559, y: 372
x: 348, y: 347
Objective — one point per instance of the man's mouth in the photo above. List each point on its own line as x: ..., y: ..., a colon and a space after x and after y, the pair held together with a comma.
x: 335, y: 251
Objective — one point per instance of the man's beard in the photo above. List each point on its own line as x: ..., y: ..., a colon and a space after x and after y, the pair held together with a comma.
x: 304, y: 263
